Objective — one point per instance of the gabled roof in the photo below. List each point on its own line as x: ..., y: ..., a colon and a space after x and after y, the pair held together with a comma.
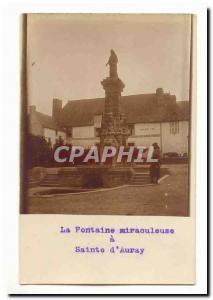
x: 142, y: 108
x: 47, y: 121
x: 81, y: 112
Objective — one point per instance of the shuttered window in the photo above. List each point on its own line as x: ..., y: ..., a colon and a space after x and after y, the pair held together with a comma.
x: 174, y: 127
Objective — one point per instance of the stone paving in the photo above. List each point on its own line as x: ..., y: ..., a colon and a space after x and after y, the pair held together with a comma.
x: 169, y: 198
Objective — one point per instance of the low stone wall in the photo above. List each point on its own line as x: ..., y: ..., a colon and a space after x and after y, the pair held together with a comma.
x: 91, y: 176
x: 37, y: 173
x: 69, y: 177
x: 94, y: 176
x: 117, y: 176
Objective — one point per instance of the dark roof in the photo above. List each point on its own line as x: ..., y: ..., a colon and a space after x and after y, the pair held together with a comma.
x: 81, y: 112
x: 183, y: 110
x: 47, y: 121
x: 142, y: 108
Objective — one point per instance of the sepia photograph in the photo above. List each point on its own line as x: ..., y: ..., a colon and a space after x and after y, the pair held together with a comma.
x: 105, y: 181
x: 106, y: 114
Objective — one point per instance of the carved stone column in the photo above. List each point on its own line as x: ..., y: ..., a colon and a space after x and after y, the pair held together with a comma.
x: 114, y: 130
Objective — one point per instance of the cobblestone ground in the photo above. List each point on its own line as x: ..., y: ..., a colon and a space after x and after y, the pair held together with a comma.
x: 169, y: 198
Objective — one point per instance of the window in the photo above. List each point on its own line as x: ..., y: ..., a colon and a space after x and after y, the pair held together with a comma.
x: 60, y: 140
x: 49, y: 142
x: 97, y: 132
x: 131, y: 129
x: 174, y: 127
x: 69, y: 132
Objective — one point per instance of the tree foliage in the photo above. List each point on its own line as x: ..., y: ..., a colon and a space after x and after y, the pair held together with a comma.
x: 38, y: 152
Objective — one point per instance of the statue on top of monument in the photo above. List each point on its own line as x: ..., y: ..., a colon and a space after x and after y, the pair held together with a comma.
x: 112, y: 62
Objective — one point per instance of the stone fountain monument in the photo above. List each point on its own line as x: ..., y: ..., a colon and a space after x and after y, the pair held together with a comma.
x: 114, y: 130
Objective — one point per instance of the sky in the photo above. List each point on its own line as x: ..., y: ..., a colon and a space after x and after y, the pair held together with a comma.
x: 67, y: 53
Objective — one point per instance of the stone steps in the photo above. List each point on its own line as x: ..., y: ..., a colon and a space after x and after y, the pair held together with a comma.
x: 50, y: 180
x: 140, y: 178
x: 32, y: 182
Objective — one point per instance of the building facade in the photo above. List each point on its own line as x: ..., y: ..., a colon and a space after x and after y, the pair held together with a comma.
x: 151, y: 118
x: 46, y: 126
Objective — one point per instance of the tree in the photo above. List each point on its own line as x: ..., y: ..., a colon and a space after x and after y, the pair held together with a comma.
x: 38, y: 152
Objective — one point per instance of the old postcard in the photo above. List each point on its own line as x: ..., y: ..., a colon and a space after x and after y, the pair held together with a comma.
x: 107, y: 149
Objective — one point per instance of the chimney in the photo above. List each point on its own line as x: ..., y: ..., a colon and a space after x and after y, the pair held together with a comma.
x: 159, y: 96
x: 159, y: 92
x: 57, y: 108
x: 32, y: 109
